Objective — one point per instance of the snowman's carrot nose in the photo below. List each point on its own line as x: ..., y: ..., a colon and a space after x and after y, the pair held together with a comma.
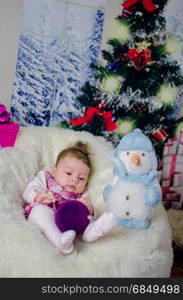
x: 135, y: 159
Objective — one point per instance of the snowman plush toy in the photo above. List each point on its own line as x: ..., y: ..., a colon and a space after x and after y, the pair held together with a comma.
x: 134, y: 189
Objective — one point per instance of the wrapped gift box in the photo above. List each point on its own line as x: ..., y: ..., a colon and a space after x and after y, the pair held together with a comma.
x: 166, y: 182
x: 178, y: 200
x: 180, y: 136
x: 178, y: 179
x: 171, y: 164
x: 172, y: 172
x: 172, y: 197
x: 171, y: 147
x: 8, y: 133
x: 180, y: 149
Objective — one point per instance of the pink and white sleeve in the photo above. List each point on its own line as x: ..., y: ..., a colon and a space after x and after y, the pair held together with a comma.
x: 38, y: 184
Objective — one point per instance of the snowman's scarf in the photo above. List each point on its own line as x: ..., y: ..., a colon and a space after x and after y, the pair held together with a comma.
x: 120, y: 171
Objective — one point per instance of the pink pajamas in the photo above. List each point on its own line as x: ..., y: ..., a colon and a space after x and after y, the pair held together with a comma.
x: 44, y: 180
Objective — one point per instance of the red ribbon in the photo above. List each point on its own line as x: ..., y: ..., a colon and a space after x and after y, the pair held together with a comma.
x: 147, y: 4
x: 139, y: 58
x: 90, y: 113
x: 173, y: 165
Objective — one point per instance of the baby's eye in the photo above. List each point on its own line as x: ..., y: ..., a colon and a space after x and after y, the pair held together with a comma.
x: 68, y: 173
x: 81, y: 178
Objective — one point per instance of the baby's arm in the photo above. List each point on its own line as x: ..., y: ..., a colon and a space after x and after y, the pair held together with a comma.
x: 36, y: 190
x: 44, y: 197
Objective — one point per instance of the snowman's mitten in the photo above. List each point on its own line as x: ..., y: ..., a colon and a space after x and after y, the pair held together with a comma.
x: 152, y: 195
x: 106, y: 191
x: 99, y: 228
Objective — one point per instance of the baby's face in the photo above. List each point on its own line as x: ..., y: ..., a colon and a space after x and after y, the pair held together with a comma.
x: 71, y: 173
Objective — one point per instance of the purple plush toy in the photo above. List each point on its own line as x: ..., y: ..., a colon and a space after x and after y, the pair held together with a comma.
x: 73, y: 215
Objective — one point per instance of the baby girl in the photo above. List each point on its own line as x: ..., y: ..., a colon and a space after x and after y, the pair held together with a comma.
x: 67, y: 180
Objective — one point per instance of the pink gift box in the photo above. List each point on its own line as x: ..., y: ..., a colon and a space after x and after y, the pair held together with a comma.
x: 180, y: 149
x: 178, y: 179
x: 170, y: 147
x: 180, y: 136
x: 171, y: 164
x: 178, y: 203
x: 8, y: 133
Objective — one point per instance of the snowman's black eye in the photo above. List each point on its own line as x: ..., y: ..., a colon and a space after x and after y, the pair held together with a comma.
x: 127, y: 153
x: 143, y: 154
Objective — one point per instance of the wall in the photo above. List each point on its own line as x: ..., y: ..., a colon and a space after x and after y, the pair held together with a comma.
x: 10, y: 17
x: 113, y: 10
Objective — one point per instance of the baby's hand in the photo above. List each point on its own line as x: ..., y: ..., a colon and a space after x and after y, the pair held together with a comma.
x: 88, y: 204
x: 45, y: 197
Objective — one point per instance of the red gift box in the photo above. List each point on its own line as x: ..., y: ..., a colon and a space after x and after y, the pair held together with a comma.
x: 8, y: 133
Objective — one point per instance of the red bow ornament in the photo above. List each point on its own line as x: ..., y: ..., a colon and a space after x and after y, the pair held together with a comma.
x: 90, y: 113
x: 139, y: 58
x: 147, y: 4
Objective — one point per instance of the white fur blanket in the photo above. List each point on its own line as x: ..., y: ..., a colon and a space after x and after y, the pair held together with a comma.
x: 24, y: 251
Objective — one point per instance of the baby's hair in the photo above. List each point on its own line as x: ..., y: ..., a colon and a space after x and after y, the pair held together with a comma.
x: 79, y: 150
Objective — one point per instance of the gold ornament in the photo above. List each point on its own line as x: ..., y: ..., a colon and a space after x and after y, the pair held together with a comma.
x: 143, y: 45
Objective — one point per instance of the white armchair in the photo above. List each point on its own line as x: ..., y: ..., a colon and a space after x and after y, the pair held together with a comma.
x: 25, y: 252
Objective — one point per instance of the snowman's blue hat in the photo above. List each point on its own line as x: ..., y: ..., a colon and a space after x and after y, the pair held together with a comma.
x: 135, y: 140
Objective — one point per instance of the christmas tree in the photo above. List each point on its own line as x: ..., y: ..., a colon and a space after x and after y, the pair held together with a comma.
x: 138, y: 84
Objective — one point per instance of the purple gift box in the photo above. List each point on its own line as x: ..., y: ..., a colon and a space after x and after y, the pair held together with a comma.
x: 8, y: 130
